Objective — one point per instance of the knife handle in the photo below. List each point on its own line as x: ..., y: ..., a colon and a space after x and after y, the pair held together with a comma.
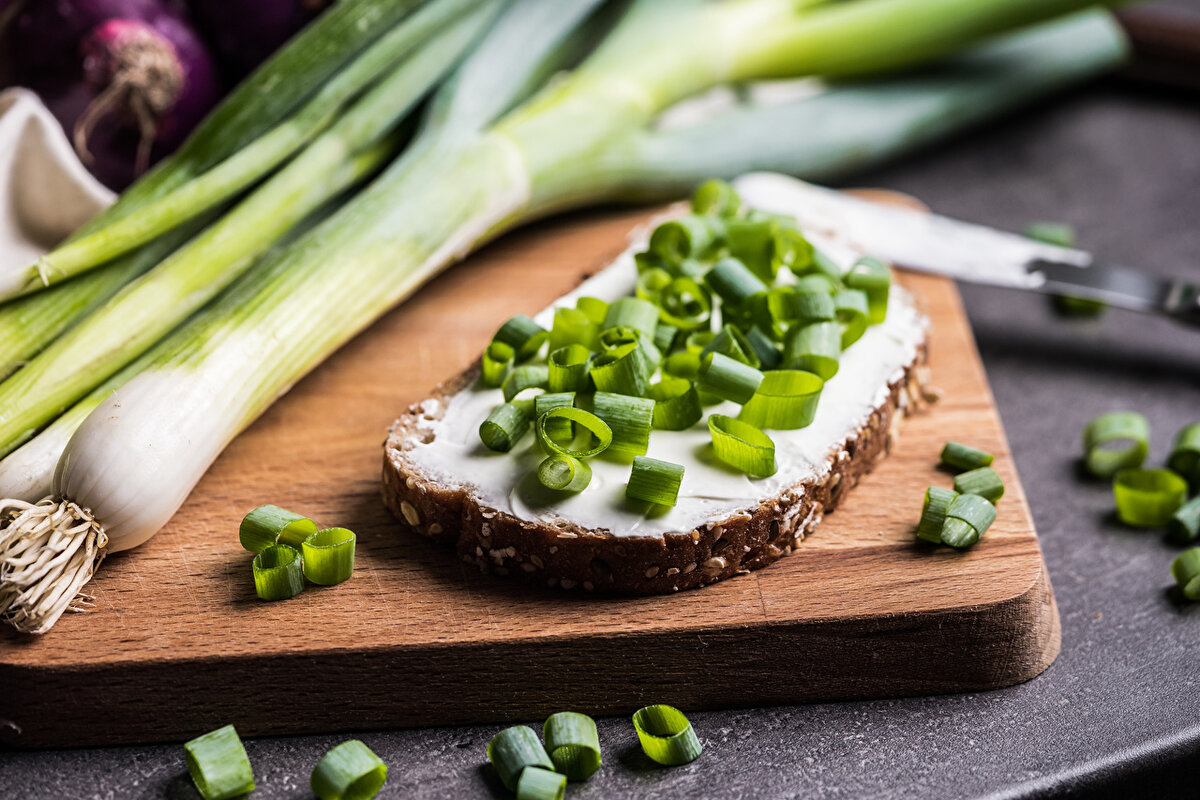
x: 1166, y: 45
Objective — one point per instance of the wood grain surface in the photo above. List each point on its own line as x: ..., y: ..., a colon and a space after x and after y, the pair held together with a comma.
x: 179, y: 644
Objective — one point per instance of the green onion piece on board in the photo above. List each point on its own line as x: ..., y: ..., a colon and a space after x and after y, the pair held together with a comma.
x: 573, y: 744
x: 664, y: 336
x: 558, y: 428
x: 764, y: 349
x: 497, y: 362
x: 654, y: 481
x: 676, y: 404
x: 268, y: 525
x: 505, y: 426
x: 815, y: 348
x: 871, y: 276
x: 1115, y: 441
x: 564, y: 474
x: 967, y: 519
x: 512, y: 750
x: 593, y: 424
x: 685, y: 304
x: 536, y: 783
x: 350, y: 771
x: 852, y: 314
x: 983, y: 481
x: 526, y: 376
x: 1148, y: 498
x: 731, y: 342
x: 962, y: 456
x: 733, y: 282
x: 691, y: 236
x: 277, y: 573
x: 567, y: 368
x: 752, y: 241
x: 329, y: 556
x: 1185, y: 453
x: 630, y: 419
x: 595, y: 308
x: 933, y: 513
x: 1184, y: 526
x: 523, y: 335
x: 1186, y: 571
x: 630, y: 312
x: 666, y: 735
x: 716, y: 197
x: 572, y: 326
x: 785, y: 400
x: 218, y: 764
x: 742, y: 446
x: 728, y: 379
x: 1059, y: 234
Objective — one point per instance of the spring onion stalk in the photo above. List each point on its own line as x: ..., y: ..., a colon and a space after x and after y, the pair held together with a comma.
x: 573, y: 744
x: 268, y: 525
x: 218, y: 764
x: 1148, y: 498
x: 505, y: 425
x: 654, y: 481
x: 514, y: 749
x: 329, y: 556
x: 447, y: 197
x: 666, y: 735
x: 933, y: 513
x: 967, y: 518
x: 983, y: 481
x: 277, y: 572
x: 350, y: 771
x: 963, y: 456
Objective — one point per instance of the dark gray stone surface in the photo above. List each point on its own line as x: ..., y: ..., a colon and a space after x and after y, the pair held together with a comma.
x: 1118, y: 714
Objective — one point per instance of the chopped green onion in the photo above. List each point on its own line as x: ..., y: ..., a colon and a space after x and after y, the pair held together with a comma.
x: 573, y: 744
x: 852, y: 314
x: 595, y: 308
x: 631, y: 312
x: 791, y: 249
x: 685, y: 304
x: 350, y: 771
x: 786, y: 399
x: 823, y: 271
x: 564, y: 474
x: 625, y: 369
x: 872, y: 276
x: 1077, y: 306
x: 218, y: 764
x: 267, y: 525
x: 559, y: 427
x: 696, y: 342
x: 733, y: 282
x: 752, y: 242
x: 809, y: 305
x: 536, y: 783
x: 691, y: 236
x: 933, y: 513
x: 983, y: 481
x: 651, y: 282
x: 526, y: 376
x: 630, y: 419
x: 654, y: 481
x: 684, y: 364
x: 1186, y: 571
x: 962, y: 456
x: 505, y: 426
x: 277, y: 573
x: 1184, y: 526
x: 728, y: 379
x: 716, y: 197
x: 815, y: 348
x: 329, y: 556
x: 568, y: 368
x: 512, y: 750
x: 1115, y: 441
x: 586, y: 420
x: 1059, y: 234
x: 731, y: 342
x: 664, y: 336
x: 523, y: 335
x: 742, y: 446
x: 676, y: 404
x: 817, y: 282
x: 967, y: 518
x: 765, y: 350
x: 1185, y: 453
x: 497, y: 362
x: 572, y: 326
x: 666, y: 735
x: 1148, y: 498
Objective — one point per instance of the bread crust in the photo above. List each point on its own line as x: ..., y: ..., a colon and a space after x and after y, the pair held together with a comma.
x: 566, y: 556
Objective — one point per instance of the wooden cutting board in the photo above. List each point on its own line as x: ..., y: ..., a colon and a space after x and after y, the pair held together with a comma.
x: 179, y: 644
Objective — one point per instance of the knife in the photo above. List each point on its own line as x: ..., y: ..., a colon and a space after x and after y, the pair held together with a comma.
x: 967, y: 252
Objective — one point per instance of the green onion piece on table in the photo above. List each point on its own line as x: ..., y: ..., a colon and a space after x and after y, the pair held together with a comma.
x: 1184, y: 526
x: 733, y: 282
x: 786, y: 399
x: 967, y: 518
x: 630, y: 419
x: 268, y: 525
x: 573, y: 744
x: 871, y: 276
x: 933, y: 513
x: 728, y: 379
x: 1186, y: 571
x: 852, y: 314
x: 350, y: 771
x: 631, y: 312
x: 730, y: 341
x: 218, y: 764
x: 676, y: 404
x: 593, y: 308
x: 497, y: 362
x: 666, y: 735
x: 564, y: 474
x: 691, y: 236
x: 1115, y: 441
x: 505, y: 426
x: 523, y: 335
x: 742, y: 446
x: 572, y: 326
x: 1148, y: 498
x: 983, y: 481
x: 512, y: 750
x: 526, y: 376
x: 1185, y: 453
x: 716, y: 197
x: 329, y: 556
x: 536, y: 783
x: 654, y: 481
x: 586, y: 420
x: 558, y: 428
x: 961, y: 456
x: 568, y: 368
x: 277, y: 573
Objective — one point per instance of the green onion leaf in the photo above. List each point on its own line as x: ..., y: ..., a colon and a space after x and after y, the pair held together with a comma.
x: 967, y: 518
x: 497, y: 362
x: 731, y: 342
x: 691, y: 236
x: 564, y: 474
x: 933, y: 513
x: 685, y: 304
x: 650, y: 283
x: 785, y: 400
x: 1186, y: 571
x: 823, y: 274
x: 630, y: 419
x: 526, y: 376
x: 586, y: 420
x: 961, y: 456
x: 505, y: 426
x: 815, y: 348
x: 1185, y: 453
x: 728, y: 379
x: 851, y: 309
x: 512, y: 750
x: 523, y: 335
x: 536, y: 783
x: 983, y: 481
x: 329, y: 556
x: 573, y: 744
x: 666, y: 735
x: 684, y: 364
x: 568, y: 368
x: 218, y: 764
x: 277, y: 573
x: 559, y: 428
x: 742, y: 446
x: 1115, y: 441
x: 595, y: 308
x: 716, y: 197
x: 733, y: 282
x: 632, y: 312
x: 752, y: 242
x: 765, y: 350
x: 625, y: 369
x: 1184, y: 526
x: 268, y: 525
x: 572, y: 326
x: 871, y: 276
x: 1148, y: 498
x: 664, y: 337
x: 350, y: 771
x: 654, y: 481
x: 676, y: 403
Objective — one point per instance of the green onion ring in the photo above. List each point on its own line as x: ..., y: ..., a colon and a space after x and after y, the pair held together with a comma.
x: 1184, y: 526
x: 873, y: 277
x: 630, y: 419
x: 786, y: 399
x: 564, y: 474
x: 730, y: 341
x: 654, y: 481
x: 536, y: 783
x: 526, y: 376
x: 1148, y: 498
x: 505, y: 425
x: 816, y: 348
x: 1115, y: 441
x: 573, y: 744
x: 851, y: 310
x: 961, y: 456
x: 983, y: 481
x: 623, y: 370
x: 218, y: 764
x: 728, y: 379
x: 572, y: 326
x: 716, y: 196
x: 567, y: 369
x: 742, y: 446
x: 686, y: 237
x: 651, y: 282
x: 933, y: 513
x: 752, y: 241
x: 586, y: 420
x: 1186, y: 571
x: 684, y: 364
x: 764, y: 349
x: 277, y: 573
x: 595, y: 308
x: 685, y: 304
x: 523, y: 335
x: 350, y: 771
x: 824, y: 271
x: 497, y: 362
x: 268, y: 525
x: 1185, y: 453
x: 676, y: 403
x: 512, y: 750
x: 632, y: 312
x: 666, y: 735
x: 329, y: 556
x: 967, y: 519
x: 733, y: 282
x: 558, y: 428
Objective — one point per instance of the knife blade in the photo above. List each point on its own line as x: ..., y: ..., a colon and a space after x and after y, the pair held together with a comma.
x: 965, y: 251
